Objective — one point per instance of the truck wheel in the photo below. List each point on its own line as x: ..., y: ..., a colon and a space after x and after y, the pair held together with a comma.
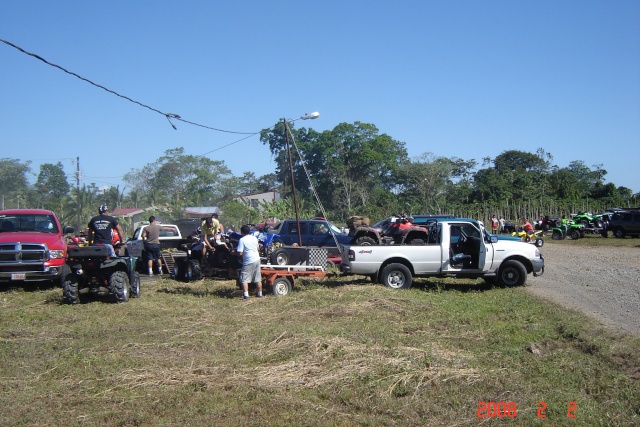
x: 69, y: 286
x: 194, y: 271
x: 619, y: 233
x: 119, y: 286
x: 396, y: 276
x: 279, y: 257
x: 512, y: 273
x: 281, y: 287
x: 365, y: 241
x: 135, y: 285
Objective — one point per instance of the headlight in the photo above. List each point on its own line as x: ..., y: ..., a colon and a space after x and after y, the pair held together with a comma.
x: 56, y: 254
x: 537, y: 253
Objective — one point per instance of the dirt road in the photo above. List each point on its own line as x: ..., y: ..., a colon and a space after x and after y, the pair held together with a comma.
x: 603, y: 282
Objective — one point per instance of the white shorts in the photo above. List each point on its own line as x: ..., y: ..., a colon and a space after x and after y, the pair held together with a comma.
x: 250, y: 273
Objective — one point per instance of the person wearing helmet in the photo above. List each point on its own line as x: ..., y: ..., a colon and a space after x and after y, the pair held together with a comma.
x: 100, y: 228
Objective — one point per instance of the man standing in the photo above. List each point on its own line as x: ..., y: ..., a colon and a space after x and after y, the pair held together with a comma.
x: 250, y: 273
x: 151, y: 238
x: 100, y: 228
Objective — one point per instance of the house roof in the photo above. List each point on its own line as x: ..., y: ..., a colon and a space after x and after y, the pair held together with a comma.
x: 127, y: 211
x: 201, y: 210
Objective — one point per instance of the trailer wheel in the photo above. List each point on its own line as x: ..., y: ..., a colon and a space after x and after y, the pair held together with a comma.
x: 281, y: 287
x: 396, y: 276
x: 512, y: 273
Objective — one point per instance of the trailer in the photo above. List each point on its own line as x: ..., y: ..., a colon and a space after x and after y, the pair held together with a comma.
x: 281, y: 278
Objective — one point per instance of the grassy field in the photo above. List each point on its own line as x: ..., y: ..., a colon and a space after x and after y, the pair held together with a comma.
x: 338, y: 352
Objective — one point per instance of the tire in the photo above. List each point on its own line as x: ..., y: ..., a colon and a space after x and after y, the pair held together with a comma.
x: 512, y: 273
x: 119, y: 286
x: 69, y: 283
x: 619, y: 233
x: 396, y: 276
x: 597, y: 223
x: 556, y: 235
x: 134, y: 287
x: 279, y: 257
x: 194, y: 271
x: 330, y: 264
x: 365, y: 241
x: 281, y: 287
x: 539, y: 243
x: 574, y: 234
x: 417, y: 242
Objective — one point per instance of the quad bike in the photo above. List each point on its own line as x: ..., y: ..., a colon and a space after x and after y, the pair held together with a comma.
x: 571, y: 230
x: 534, y: 238
x: 90, y: 271
x: 216, y: 263
x: 588, y: 219
x: 396, y: 230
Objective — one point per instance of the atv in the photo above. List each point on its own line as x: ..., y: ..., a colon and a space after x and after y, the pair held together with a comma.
x: 534, y: 238
x: 217, y: 263
x: 90, y: 271
x: 571, y: 229
x: 588, y: 219
x: 393, y: 230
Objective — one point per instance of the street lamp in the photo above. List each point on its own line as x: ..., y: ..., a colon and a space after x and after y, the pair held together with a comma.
x: 307, y: 116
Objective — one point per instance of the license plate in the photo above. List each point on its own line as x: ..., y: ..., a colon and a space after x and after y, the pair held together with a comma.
x: 18, y: 276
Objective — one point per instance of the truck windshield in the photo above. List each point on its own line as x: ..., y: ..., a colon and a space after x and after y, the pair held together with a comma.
x: 29, y: 222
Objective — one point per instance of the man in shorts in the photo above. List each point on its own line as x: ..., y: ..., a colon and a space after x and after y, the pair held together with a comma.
x: 250, y: 273
x: 151, y: 238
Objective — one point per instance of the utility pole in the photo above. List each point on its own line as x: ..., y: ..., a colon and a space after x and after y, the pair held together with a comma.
x: 78, y: 188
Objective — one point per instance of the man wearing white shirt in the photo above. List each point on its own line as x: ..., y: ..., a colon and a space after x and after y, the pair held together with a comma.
x: 250, y: 273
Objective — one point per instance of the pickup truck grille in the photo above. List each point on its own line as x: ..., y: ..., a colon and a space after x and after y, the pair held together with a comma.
x: 21, y: 253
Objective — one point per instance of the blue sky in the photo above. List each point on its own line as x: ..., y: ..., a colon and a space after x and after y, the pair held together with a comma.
x: 468, y: 79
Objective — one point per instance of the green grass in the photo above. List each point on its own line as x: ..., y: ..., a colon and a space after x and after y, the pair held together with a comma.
x: 341, y: 352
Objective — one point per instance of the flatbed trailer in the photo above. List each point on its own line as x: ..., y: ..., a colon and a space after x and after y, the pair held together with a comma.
x: 281, y: 278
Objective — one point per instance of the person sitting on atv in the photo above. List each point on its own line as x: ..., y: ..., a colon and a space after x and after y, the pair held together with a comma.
x: 209, y: 230
x: 100, y: 230
x: 527, y: 227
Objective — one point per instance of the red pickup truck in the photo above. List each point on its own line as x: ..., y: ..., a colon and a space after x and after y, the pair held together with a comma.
x: 33, y: 246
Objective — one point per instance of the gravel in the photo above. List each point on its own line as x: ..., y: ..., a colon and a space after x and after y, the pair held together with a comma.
x: 603, y: 282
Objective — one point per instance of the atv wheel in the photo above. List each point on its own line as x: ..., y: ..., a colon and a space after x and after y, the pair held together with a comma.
x: 556, y: 235
x: 396, y: 276
x: 417, y: 242
x: 119, y: 286
x: 135, y: 285
x: 69, y: 286
x: 512, y: 273
x: 279, y: 257
x: 194, y: 271
x: 574, y: 234
x: 281, y: 287
x: 365, y: 241
x: 539, y: 243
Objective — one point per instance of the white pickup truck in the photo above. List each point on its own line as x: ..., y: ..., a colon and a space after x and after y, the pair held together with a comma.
x: 454, y: 248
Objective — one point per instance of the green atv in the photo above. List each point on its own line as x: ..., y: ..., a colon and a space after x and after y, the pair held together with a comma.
x: 588, y: 219
x: 572, y: 230
x: 90, y: 271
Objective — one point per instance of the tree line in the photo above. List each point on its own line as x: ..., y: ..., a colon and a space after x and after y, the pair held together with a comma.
x: 352, y: 169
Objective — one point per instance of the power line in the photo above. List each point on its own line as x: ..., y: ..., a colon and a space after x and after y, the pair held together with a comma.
x: 168, y: 116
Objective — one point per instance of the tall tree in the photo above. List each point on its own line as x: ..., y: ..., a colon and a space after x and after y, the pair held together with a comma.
x: 14, y: 184
x: 52, y: 181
